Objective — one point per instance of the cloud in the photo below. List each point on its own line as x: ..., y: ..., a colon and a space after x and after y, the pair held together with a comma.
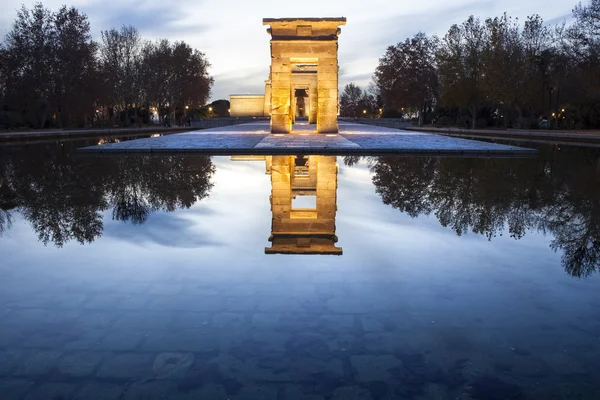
x: 244, y: 81
x: 560, y: 19
x: 233, y: 38
x: 169, y: 229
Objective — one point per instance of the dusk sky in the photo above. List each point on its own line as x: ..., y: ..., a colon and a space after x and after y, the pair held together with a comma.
x: 237, y: 45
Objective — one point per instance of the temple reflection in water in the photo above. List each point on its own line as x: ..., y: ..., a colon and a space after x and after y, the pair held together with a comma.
x: 303, y: 204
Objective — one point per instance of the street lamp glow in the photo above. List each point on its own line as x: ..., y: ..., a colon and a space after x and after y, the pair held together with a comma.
x: 187, y: 107
x: 364, y: 111
x: 563, y: 110
x: 209, y: 108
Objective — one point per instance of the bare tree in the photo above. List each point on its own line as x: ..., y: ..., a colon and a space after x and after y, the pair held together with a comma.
x: 120, y: 58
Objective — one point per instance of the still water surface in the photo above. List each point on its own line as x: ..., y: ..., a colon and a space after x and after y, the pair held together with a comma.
x: 192, y: 277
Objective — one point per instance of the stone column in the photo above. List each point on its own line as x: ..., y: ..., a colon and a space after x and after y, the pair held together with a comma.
x: 327, y: 83
x: 281, y: 191
x: 294, y: 105
x: 327, y: 192
x: 281, y: 94
x: 312, y: 101
x: 267, y: 107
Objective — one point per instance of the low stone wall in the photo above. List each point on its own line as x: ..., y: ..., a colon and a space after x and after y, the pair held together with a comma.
x: 207, y: 123
x: 247, y: 105
x: 395, y: 123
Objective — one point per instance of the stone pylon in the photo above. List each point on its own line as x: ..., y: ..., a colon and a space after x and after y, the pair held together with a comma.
x: 304, y: 55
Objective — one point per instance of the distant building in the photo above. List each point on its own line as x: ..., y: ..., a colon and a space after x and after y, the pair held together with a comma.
x: 247, y: 105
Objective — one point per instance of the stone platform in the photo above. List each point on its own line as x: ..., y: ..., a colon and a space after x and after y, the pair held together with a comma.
x: 255, y: 139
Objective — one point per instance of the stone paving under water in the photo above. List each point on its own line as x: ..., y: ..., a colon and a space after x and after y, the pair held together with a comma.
x: 254, y: 138
x: 187, y: 306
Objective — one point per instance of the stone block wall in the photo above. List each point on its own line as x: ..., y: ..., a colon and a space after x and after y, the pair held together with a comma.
x: 247, y: 106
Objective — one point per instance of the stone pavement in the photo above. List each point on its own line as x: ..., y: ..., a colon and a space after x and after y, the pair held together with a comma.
x: 588, y: 138
x: 306, y: 141
x: 59, y: 134
x: 255, y: 139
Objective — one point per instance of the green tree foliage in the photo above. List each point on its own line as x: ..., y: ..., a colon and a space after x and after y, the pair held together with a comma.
x: 173, y: 76
x: 460, y: 66
x: 53, y: 74
x: 356, y: 103
x: 49, y: 66
x: 350, y: 101
x: 406, y: 75
x: 501, y: 72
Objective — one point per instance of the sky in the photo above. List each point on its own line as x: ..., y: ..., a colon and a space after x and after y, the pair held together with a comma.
x: 236, y: 44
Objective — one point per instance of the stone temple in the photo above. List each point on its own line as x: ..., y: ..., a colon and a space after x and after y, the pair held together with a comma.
x: 303, y: 78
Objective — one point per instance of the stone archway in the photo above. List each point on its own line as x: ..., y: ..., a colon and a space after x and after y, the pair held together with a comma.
x: 304, y: 52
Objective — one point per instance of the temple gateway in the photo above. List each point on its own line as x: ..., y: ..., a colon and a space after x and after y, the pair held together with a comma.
x: 303, y: 77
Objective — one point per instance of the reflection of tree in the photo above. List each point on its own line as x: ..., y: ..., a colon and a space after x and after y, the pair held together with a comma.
x: 574, y: 216
x: 63, y: 195
x: 486, y: 196
x: 7, y: 199
x: 5, y: 215
x: 139, y: 186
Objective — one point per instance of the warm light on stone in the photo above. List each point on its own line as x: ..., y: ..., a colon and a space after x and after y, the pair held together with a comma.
x: 303, y: 77
x: 251, y: 105
x: 303, y: 230
x: 304, y: 59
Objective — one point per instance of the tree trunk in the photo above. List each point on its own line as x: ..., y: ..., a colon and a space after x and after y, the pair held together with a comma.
x: 473, y: 117
x: 43, y: 117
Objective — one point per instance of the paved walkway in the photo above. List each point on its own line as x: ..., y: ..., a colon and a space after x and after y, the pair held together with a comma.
x: 521, y: 132
x: 255, y: 139
x: 60, y: 134
x: 306, y: 138
x: 579, y: 138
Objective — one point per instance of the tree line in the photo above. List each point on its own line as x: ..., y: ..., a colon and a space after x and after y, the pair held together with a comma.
x: 52, y: 74
x: 495, y: 72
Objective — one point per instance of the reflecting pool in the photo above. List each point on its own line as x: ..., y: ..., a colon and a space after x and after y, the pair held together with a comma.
x: 298, y: 277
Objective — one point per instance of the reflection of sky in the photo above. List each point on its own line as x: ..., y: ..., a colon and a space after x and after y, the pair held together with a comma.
x: 232, y: 35
x: 233, y: 225
x: 220, y: 241
x: 451, y: 299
